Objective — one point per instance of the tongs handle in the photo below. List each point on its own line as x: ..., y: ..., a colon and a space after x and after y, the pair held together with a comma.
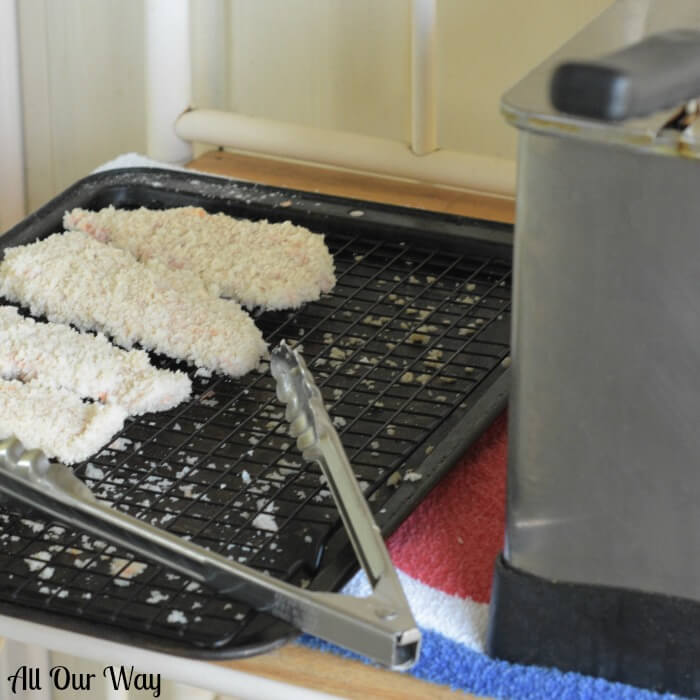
x: 318, y: 441
x: 29, y: 477
x: 379, y: 626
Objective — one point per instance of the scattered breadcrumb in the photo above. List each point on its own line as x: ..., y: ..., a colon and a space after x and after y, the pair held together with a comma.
x: 125, y: 568
x: 47, y: 572
x: 409, y: 377
x: 394, y: 479
x: 93, y: 472
x: 376, y: 320
x: 156, y: 597
x: 177, y: 617
x: 37, y: 560
x: 265, y: 521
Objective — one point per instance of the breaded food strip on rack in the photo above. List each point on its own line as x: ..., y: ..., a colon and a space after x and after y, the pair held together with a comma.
x: 73, y: 278
x: 56, y: 355
x: 56, y: 420
x: 258, y: 263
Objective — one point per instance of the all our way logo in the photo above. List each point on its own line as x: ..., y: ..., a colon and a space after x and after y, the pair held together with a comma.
x: 62, y: 678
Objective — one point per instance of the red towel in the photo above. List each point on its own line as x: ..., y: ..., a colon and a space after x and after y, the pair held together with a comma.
x: 452, y: 539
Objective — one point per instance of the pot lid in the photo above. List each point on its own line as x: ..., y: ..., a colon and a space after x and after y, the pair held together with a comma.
x: 628, y: 78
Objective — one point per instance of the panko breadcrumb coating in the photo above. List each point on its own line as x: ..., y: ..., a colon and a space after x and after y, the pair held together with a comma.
x: 56, y: 420
x: 73, y: 278
x: 258, y: 263
x: 55, y: 355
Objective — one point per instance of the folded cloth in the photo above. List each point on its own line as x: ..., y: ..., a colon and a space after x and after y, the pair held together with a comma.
x: 445, y: 552
x: 136, y: 160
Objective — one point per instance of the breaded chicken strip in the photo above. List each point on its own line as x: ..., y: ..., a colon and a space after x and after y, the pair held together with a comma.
x: 73, y: 278
x: 260, y: 264
x: 56, y: 356
x: 56, y: 420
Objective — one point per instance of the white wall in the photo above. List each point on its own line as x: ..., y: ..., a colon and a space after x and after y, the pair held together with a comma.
x: 12, y: 196
x: 82, y: 85
x: 486, y: 46
x: 346, y: 65
x: 330, y: 63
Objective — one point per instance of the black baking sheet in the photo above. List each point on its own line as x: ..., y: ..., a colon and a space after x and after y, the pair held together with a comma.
x: 410, y: 352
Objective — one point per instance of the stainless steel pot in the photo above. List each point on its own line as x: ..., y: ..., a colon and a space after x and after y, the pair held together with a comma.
x: 601, y: 571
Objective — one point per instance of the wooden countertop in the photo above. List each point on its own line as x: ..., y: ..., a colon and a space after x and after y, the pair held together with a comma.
x: 348, y: 184
x: 295, y: 664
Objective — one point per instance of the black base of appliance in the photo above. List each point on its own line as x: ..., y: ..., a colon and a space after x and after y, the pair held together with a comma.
x: 644, y: 639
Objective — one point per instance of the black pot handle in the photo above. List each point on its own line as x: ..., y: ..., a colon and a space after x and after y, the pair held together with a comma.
x: 656, y: 73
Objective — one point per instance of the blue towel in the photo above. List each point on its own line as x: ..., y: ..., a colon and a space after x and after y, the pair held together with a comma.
x: 450, y: 663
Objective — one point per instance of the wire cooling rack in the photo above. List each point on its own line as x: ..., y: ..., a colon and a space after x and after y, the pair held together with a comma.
x: 405, y: 351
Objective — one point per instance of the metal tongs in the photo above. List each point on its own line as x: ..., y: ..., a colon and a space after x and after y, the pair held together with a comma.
x: 379, y: 626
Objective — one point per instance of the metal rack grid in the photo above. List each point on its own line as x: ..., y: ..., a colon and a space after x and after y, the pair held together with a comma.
x: 400, y: 345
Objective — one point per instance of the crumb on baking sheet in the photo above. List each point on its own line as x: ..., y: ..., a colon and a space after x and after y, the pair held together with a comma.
x: 177, y: 617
